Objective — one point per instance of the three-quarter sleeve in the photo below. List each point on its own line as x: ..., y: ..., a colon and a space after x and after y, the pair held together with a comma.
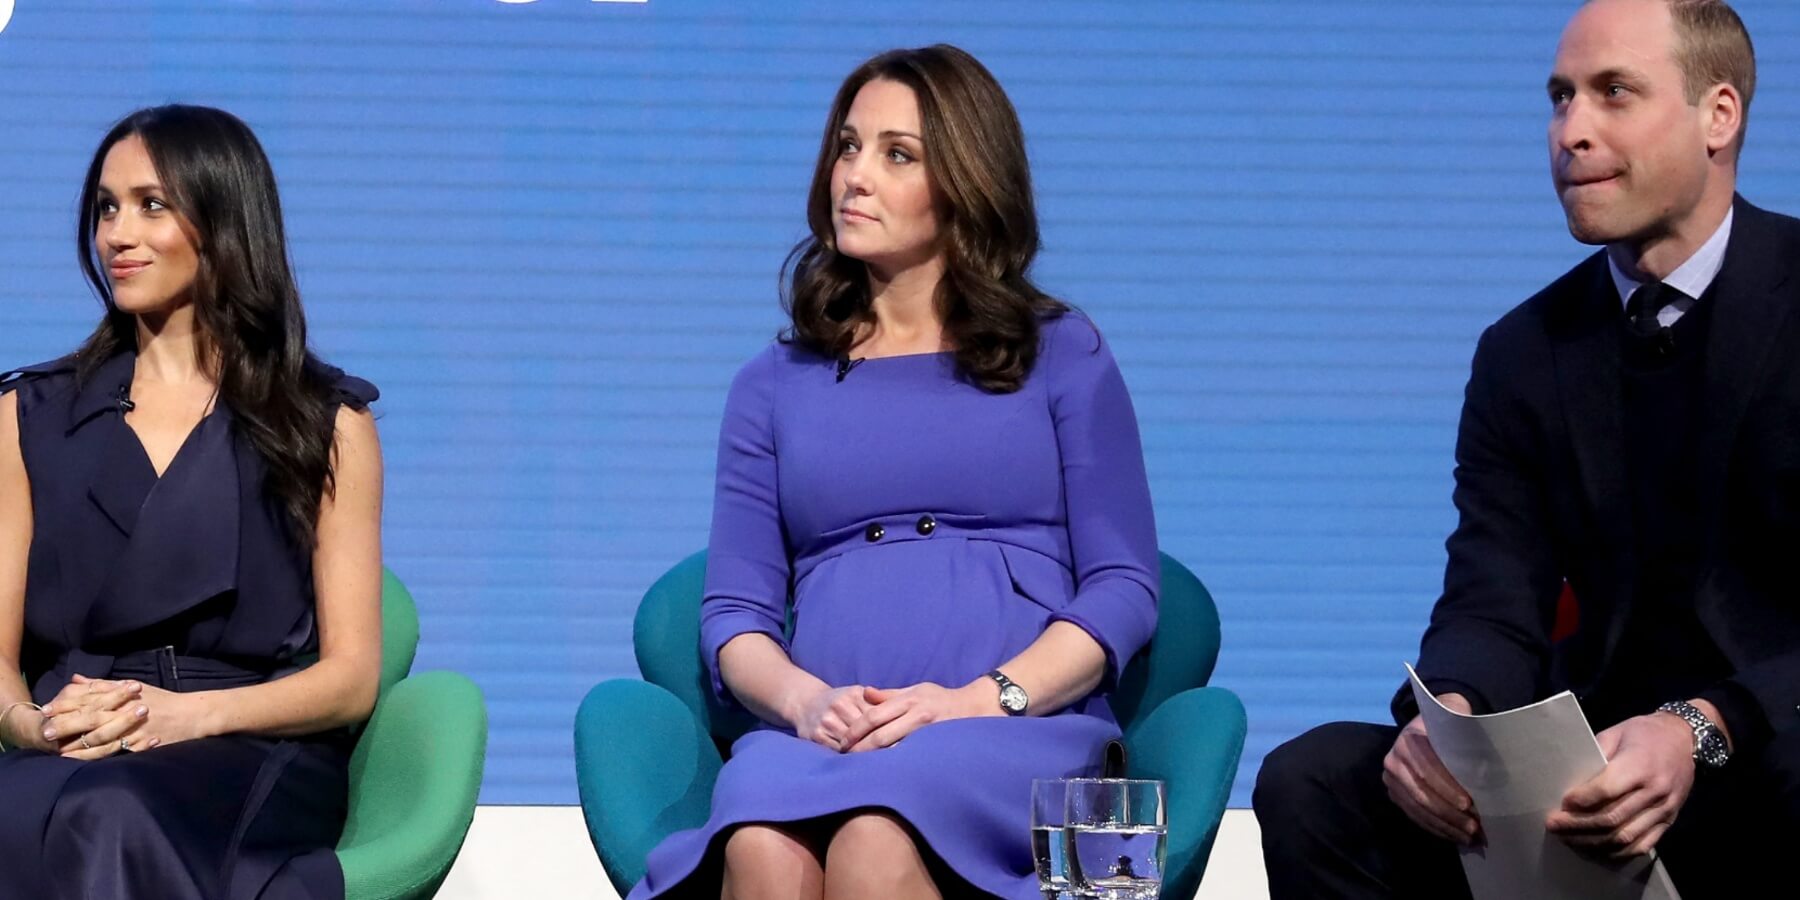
x: 747, y: 566
x: 1112, y: 529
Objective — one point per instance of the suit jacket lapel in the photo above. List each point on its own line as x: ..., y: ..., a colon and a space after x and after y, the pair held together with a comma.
x: 1748, y: 316
x: 1585, y: 347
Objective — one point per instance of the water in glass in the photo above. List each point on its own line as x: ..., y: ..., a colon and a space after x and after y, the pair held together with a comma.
x: 1117, y: 836
x: 1048, y: 842
x: 1118, y: 861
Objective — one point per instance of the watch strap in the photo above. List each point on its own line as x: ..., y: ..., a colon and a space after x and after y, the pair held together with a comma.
x: 1703, y: 728
x: 1010, y: 687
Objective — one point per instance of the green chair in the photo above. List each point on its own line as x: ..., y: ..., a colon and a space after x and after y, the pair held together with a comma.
x: 416, y: 770
x: 648, y: 752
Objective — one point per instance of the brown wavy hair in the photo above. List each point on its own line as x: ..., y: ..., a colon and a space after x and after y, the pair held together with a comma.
x: 252, y: 332
x: 975, y: 158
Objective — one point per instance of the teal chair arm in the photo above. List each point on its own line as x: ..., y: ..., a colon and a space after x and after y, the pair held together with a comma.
x: 1192, y: 741
x: 645, y: 769
x: 413, y: 783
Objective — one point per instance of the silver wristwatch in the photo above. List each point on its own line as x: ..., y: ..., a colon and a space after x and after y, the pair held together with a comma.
x: 1012, y: 697
x: 1710, y: 748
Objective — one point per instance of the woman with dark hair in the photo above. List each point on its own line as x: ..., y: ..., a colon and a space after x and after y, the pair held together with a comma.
x: 190, y: 558
x: 940, y: 465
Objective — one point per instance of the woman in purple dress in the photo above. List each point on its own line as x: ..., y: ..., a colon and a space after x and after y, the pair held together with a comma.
x: 940, y: 464
x: 190, y: 562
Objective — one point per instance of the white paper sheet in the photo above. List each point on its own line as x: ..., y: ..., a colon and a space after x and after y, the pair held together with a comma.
x: 1517, y: 765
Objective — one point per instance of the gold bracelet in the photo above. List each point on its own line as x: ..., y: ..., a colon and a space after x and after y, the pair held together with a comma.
x: 7, y: 712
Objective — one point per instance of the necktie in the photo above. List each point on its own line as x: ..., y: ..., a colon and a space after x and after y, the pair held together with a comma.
x: 1645, y: 303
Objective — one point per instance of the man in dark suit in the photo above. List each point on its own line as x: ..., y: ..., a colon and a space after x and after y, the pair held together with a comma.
x: 1633, y: 432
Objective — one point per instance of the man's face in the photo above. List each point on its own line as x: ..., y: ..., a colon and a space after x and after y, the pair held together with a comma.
x: 1628, y: 153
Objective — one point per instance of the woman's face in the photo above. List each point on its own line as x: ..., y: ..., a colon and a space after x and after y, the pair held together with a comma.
x: 885, y: 209
x: 145, y: 245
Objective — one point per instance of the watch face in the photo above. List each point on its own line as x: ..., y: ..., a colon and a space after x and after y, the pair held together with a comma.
x: 1013, y: 698
x: 1712, y: 750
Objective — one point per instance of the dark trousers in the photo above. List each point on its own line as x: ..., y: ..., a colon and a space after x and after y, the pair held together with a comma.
x: 1330, y: 831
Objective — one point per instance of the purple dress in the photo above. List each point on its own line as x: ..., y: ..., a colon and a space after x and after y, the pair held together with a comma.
x: 187, y: 582
x: 930, y: 531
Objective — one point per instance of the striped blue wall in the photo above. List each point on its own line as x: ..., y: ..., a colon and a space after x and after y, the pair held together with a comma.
x: 550, y: 232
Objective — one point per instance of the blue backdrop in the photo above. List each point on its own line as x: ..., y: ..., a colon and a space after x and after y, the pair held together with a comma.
x: 550, y: 232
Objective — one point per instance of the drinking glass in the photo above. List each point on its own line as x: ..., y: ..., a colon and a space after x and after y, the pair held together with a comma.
x: 1116, y: 831
x: 1049, y: 803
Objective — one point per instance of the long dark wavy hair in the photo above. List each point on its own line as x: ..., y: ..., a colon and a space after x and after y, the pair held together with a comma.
x: 251, y: 330
x: 975, y: 157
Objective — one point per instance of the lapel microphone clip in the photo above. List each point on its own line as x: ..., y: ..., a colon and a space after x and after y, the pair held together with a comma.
x: 844, y: 365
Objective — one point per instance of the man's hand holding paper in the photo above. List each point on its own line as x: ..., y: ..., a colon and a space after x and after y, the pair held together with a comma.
x: 1426, y: 791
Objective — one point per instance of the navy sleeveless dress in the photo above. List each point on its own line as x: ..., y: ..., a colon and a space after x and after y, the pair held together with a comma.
x: 188, y: 582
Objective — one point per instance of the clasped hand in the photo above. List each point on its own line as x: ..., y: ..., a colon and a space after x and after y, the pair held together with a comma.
x: 93, y: 718
x: 858, y: 718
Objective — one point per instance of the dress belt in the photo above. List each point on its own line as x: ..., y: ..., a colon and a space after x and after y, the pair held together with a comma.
x: 161, y: 667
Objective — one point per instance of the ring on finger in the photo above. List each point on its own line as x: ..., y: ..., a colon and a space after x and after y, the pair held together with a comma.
x: 84, y: 742
x: 124, y: 745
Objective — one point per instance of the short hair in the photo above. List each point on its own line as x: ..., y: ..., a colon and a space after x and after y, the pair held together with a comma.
x: 1712, y: 47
